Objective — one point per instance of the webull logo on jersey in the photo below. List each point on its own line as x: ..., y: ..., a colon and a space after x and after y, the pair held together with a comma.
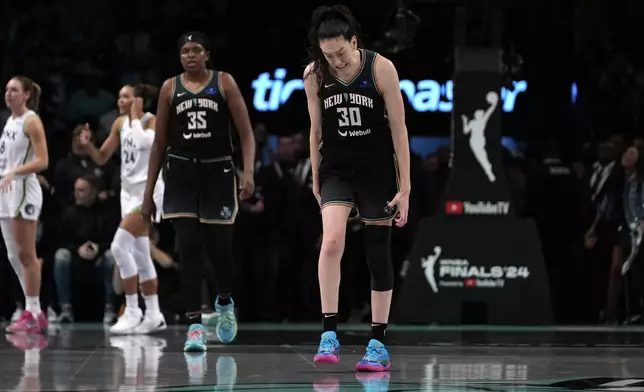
x: 457, y: 207
x: 363, y: 132
x: 460, y: 273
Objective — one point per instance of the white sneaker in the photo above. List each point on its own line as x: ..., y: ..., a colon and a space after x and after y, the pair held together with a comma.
x: 127, y: 322
x: 52, y: 317
x: 16, y: 315
x: 152, y: 322
x: 108, y: 314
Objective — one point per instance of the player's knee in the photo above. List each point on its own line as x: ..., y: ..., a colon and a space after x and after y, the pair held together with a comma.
x: 187, y: 232
x: 145, y: 266
x: 121, y: 248
x: 378, y: 251
x: 27, y: 257
x: 332, y: 246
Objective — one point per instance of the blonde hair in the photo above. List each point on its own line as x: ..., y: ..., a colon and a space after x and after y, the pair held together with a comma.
x: 34, y: 90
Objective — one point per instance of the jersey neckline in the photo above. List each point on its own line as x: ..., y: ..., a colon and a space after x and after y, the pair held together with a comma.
x: 203, y: 86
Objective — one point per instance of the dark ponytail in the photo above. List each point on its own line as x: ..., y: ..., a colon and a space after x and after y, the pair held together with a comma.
x: 147, y: 92
x: 329, y: 22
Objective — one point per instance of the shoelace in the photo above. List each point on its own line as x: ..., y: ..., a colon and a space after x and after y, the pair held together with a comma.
x: 327, y: 346
x: 372, y: 354
x: 195, y: 334
x: 228, y: 319
x: 24, y: 318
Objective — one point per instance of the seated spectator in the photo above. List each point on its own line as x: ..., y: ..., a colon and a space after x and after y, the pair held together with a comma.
x: 86, y: 230
x: 75, y: 165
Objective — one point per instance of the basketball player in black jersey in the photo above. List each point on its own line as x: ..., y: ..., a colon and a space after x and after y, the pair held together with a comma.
x: 193, y: 128
x: 360, y: 158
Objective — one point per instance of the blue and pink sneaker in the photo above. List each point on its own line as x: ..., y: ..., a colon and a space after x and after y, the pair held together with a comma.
x: 329, y: 350
x: 196, y: 339
x: 376, y: 358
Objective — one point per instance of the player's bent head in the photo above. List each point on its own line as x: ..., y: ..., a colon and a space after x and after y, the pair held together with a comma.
x: 21, y: 91
x: 194, y: 48
x: 334, y: 35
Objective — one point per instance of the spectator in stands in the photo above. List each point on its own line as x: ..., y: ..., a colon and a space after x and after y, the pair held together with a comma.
x: 90, y: 101
x: 602, y: 237
x: 86, y: 230
x: 78, y: 164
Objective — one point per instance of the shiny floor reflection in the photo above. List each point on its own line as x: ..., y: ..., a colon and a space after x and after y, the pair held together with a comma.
x: 279, y: 358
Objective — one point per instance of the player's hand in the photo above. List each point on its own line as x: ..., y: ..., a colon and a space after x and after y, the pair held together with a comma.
x: 136, y: 109
x: 5, y: 181
x: 247, y: 185
x: 85, y: 138
x: 148, y: 208
x: 402, y: 202
x: 316, y: 191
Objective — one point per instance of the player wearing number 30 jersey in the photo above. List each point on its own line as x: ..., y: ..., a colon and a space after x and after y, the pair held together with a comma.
x: 134, y: 132
x: 360, y: 159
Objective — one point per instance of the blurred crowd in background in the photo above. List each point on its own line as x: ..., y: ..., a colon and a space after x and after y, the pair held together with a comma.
x: 569, y: 177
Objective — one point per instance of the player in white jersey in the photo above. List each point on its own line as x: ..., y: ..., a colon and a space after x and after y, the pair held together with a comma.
x: 23, y: 153
x: 134, y: 132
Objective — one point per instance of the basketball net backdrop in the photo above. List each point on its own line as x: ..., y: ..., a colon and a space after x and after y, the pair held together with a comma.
x: 476, y: 262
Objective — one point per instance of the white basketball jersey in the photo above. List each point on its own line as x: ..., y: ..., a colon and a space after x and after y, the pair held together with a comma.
x: 134, y: 159
x: 15, y: 146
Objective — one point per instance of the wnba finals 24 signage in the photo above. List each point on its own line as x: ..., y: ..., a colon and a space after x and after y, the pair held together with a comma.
x: 476, y: 262
x: 457, y: 272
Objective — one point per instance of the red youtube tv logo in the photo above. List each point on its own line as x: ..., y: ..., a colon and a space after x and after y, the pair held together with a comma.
x: 454, y: 207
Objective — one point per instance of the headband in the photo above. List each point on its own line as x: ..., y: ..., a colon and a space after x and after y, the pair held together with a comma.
x: 196, y: 37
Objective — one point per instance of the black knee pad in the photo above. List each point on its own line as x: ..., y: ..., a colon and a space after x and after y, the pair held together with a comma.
x: 377, y: 241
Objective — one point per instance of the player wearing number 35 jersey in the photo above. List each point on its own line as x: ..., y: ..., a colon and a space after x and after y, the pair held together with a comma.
x: 360, y: 159
x: 194, y: 117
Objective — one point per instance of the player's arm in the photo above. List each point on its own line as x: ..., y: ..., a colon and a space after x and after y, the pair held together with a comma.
x: 143, y: 134
x: 157, y: 151
x: 34, y: 129
x: 101, y: 155
x: 239, y: 113
x: 315, y: 115
x: 389, y: 85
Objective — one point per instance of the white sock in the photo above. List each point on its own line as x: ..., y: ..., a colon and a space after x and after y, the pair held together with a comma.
x: 151, y: 303
x: 33, y: 305
x: 132, y: 301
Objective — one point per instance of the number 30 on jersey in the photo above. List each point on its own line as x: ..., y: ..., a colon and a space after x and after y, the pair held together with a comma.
x: 197, y: 120
x: 349, y: 117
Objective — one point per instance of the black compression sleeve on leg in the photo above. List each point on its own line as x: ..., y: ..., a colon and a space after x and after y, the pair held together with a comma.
x: 377, y: 240
x: 189, y: 246
x: 219, y: 245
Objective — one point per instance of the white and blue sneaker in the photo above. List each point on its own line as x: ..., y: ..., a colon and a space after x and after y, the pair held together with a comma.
x: 226, y: 326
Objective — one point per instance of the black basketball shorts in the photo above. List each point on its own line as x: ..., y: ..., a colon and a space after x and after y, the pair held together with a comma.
x: 367, y: 188
x: 205, y: 189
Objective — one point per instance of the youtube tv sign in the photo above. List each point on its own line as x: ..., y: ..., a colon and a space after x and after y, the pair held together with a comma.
x: 453, y: 207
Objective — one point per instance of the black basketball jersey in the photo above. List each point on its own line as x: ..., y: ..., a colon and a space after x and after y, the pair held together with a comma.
x: 355, y: 128
x: 199, y: 120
